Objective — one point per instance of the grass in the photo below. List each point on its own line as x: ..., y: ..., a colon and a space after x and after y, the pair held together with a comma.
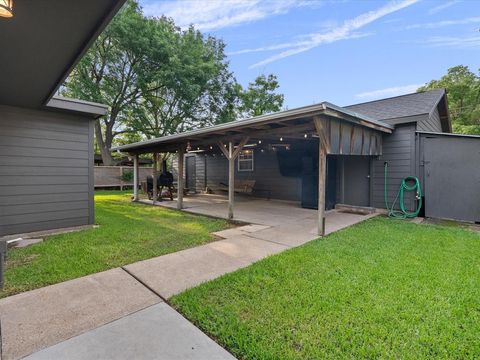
x: 127, y: 233
x: 381, y: 289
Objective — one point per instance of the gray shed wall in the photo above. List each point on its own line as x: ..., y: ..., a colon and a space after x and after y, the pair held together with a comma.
x: 46, y: 170
x: 450, y: 176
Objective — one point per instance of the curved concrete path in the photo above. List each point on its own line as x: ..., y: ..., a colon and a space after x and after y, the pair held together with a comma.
x: 120, y: 313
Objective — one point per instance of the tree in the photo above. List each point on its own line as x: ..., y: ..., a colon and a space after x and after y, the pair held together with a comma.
x: 260, y: 97
x: 114, y: 70
x: 194, y: 88
x: 463, y: 88
x: 158, y: 79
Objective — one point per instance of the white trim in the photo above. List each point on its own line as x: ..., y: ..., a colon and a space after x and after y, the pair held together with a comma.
x: 252, y: 161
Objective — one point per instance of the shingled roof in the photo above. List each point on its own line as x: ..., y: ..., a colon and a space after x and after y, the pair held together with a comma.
x: 400, y: 106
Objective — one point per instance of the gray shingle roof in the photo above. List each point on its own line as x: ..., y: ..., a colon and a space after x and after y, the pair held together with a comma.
x: 399, y: 106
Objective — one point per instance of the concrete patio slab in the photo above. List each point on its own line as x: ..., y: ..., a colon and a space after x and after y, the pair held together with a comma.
x: 240, y: 230
x: 157, y: 332
x: 172, y: 273
x: 40, y: 318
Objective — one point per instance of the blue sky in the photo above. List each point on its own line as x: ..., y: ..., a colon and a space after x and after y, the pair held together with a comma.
x: 339, y: 51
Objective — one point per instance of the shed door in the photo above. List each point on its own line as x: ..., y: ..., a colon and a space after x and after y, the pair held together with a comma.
x: 452, y: 178
x: 190, y: 172
x: 356, y: 180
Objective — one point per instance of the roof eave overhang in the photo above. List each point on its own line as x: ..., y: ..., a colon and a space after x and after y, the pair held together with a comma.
x: 218, y: 131
x: 104, y: 21
x: 92, y: 109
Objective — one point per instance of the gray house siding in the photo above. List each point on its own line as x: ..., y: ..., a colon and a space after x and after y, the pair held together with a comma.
x: 430, y: 123
x: 266, y: 173
x: 46, y: 170
x: 399, y: 152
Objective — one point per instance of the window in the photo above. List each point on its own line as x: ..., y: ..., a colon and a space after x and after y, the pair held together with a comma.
x: 245, y: 160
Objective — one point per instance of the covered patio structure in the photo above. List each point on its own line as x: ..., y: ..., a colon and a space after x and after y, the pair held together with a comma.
x: 319, y: 130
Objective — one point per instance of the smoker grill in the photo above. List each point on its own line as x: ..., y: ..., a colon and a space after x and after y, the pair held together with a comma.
x: 164, y: 180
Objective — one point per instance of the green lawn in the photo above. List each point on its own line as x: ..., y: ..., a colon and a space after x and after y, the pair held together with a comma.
x: 381, y: 289
x: 127, y: 233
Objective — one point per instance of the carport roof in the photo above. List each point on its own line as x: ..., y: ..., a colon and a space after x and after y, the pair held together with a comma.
x: 324, y: 108
x: 42, y: 43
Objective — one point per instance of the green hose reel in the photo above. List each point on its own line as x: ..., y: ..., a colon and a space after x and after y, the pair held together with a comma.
x: 410, y: 183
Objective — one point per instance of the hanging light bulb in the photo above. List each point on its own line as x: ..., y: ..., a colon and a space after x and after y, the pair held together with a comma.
x: 305, y: 136
x: 211, y: 147
x: 6, y: 8
x: 259, y: 141
x: 281, y: 139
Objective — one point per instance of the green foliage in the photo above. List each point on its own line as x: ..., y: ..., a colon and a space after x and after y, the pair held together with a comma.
x: 463, y: 88
x: 260, y: 97
x: 383, y: 289
x: 191, y: 90
x: 127, y: 176
x: 158, y: 79
x: 127, y: 232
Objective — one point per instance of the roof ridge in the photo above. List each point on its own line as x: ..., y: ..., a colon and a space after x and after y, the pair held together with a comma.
x: 396, y: 97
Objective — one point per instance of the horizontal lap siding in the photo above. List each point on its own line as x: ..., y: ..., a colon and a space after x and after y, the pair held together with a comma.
x: 399, y: 151
x: 268, y: 180
x: 46, y: 169
x: 430, y: 123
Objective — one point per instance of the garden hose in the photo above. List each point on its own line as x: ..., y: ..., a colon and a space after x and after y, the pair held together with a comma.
x: 404, y: 186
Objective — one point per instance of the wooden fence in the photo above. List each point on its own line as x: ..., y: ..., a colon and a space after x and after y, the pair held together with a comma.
x: 114, y: 176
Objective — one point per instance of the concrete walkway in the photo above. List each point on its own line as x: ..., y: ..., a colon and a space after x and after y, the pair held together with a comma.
x: 158, y: 332
x: 120, y: 313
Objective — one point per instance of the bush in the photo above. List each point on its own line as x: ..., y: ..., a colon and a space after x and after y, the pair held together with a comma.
x: 127, y: 176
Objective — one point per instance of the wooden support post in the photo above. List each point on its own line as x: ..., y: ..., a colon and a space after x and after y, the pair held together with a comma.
x: 135, y: 177
x: 323, y: 150
x: 155, y: 178
x: 322, y: 167
x: 231, y: 154
x: 181, y: 154
x: 231, y: 180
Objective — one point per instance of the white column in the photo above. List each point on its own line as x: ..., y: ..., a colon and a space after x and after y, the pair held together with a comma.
x: 180, y: 179
x: 135, y: 177
x: 231, y: 180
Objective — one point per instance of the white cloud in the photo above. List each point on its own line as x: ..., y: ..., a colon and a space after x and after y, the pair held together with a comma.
x: 388, y: 92
x: 443, y: 23
x: 454, y: 42
x: 442, y: 7
x: 347, y: 30
x: 217, y: 14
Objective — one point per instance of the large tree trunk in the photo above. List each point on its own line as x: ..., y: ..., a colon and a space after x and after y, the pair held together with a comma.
x: 104, y: 144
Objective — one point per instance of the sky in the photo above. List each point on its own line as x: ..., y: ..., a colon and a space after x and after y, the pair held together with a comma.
x: 345, y: 51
